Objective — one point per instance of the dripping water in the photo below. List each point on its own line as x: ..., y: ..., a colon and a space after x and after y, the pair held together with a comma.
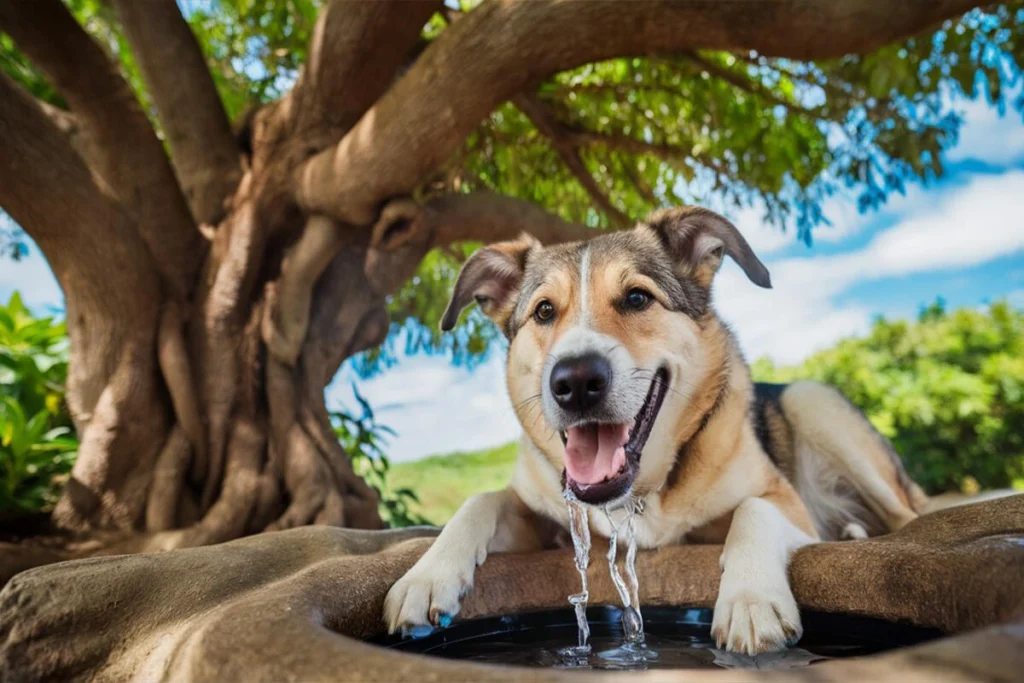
x: 580, y: 530
x: 633, y: 651
x: 632, y: 622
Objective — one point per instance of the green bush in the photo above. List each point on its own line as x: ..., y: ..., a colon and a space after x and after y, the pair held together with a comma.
x: 37, y: 444
x: 948, y: 390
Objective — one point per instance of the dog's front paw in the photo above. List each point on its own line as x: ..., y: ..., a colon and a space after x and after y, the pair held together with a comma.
x: 751, y: 621
x: 429, y: 593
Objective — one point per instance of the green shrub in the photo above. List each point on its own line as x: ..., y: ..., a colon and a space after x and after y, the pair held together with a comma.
x: 37, y: 444
x: 948, y: 390
x: 32, y: 459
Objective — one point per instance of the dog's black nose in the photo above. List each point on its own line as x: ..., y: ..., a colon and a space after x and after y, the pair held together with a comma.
x: 580, y: 383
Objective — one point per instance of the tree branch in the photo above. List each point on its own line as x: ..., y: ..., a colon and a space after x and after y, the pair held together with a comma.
x: 544, y: 120
x: 356, y: 50
x: 69, y: 125
x: 629, y: 144
x: 406, y: 231
x: 203, y: 149
x: 477, y: 216
x: 491, y: 217
x: 48, y: 190
x: 620, y: 90
x: 129, y: 157
x: 501, y: 48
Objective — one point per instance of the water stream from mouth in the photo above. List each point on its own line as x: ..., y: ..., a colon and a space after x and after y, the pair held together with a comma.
x: 579, y: 529
x: 632, y: 622
x: 634, y: 650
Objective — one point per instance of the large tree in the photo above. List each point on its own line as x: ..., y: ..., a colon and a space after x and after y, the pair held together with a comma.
x: 215, y: 279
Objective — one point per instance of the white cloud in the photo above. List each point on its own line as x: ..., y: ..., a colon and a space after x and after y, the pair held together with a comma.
x: 970, y: 225
x: 436, y: 407
x: 985, y: 136
x: 762, y: 237
x: 841, y: 212
x: 765, y: 238
x: 988, y: 137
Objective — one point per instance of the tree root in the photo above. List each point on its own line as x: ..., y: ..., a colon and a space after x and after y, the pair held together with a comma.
x: 111, y: 493
x: 307, y: 479
x: 228, y: 517
x: 287, y: 318
x: 269, y: 503
x: 225, y: 312
x: 168, y: 482
x: 177, y: 373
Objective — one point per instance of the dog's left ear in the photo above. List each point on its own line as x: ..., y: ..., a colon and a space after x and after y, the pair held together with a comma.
x: 491, y: 277
x: 697, y: 239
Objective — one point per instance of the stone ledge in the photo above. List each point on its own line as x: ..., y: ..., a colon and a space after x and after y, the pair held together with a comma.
x: 294, y: 605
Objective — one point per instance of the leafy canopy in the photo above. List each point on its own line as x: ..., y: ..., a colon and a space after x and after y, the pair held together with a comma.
x: 724, y: 130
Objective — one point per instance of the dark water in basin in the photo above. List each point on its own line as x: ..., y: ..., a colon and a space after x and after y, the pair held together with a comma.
x: 677, y: 638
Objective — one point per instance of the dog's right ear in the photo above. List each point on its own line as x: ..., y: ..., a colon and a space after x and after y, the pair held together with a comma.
x: 491, y: 277
x: 697, y: 239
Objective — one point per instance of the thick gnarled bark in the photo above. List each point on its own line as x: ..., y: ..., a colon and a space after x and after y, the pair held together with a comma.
x: 129, y: 157
x: 205, y: 156
x: 199, y: 364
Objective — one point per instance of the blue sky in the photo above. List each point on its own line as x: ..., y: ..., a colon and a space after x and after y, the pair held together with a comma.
x: 961, y: 238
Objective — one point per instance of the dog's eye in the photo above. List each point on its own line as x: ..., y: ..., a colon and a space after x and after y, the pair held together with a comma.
x: 544, y: 312
x: 638, y: 299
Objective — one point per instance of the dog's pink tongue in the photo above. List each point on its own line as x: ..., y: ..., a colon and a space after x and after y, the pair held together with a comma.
x: 594, y: 453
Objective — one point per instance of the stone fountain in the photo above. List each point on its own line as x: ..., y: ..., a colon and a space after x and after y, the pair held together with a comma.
x: 301, y: 604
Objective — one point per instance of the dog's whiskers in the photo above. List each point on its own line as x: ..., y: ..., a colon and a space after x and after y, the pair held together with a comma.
x: 535, y: 397
x: 653, y: 378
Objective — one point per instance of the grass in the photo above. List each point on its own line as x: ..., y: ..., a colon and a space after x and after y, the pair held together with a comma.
x: 444, y: 482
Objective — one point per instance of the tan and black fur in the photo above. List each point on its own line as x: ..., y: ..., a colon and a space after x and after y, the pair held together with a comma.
x: 765, y: 469
x: 822, y: 465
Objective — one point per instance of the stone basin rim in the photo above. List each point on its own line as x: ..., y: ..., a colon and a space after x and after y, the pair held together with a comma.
x: 299, y: 604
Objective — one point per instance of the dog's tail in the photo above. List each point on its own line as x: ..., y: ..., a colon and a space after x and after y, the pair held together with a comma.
x: 955, y: 499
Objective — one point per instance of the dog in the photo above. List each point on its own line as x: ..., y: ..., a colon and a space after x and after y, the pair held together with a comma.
x: 628, y: 384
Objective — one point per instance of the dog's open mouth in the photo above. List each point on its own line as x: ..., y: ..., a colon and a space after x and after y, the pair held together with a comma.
x: 602, y: 460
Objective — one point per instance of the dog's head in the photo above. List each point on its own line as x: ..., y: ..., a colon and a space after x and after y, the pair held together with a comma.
x: 600, y: 333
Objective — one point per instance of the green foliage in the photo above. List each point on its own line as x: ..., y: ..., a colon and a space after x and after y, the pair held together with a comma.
x: 254, y: 47
x: 37, y: 445
x: 33, y: 360
x: 947, y: 389
x: 12, y: 239
x: 728, y: 128
x: 32, y: 458
x: 363, y: 440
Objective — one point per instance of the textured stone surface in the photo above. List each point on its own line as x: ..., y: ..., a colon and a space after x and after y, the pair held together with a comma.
x: 293, y: 605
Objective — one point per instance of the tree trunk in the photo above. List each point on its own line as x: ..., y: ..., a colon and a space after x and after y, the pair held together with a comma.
x: 198, y: 366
